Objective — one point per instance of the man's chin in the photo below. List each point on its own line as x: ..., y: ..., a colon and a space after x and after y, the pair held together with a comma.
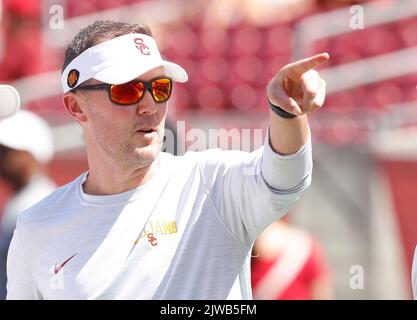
x: 148, y: 153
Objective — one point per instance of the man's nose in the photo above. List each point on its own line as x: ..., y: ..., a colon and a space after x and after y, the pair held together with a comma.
x: 147, y: 105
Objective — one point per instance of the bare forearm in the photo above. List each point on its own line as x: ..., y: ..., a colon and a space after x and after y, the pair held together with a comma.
x: 287, y: 136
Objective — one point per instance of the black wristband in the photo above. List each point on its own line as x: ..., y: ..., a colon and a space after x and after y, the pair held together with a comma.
x: 280, y: 112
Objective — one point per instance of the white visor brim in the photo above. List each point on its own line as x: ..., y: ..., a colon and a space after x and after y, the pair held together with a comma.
x: 125, y: 72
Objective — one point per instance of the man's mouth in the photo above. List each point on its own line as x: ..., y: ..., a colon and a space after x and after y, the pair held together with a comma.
x: 147, y: 130
x: 147, y: 133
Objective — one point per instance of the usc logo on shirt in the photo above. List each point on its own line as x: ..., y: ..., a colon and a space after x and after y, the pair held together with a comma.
x: 157, y: 228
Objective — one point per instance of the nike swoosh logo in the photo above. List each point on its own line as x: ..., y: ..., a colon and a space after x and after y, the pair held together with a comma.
x: 58, y: 268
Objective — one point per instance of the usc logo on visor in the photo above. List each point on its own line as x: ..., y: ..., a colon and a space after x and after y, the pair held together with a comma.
x: 72, y: 79
x: 144, y: 49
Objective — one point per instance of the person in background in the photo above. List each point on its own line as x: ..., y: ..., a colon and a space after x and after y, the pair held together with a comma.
x: 289, y: 264
x: 26, y: 146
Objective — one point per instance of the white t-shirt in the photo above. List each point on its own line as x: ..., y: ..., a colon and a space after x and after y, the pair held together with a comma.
x: 185, y: 234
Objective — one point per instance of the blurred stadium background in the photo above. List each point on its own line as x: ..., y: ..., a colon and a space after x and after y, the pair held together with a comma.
x: 363, y: 200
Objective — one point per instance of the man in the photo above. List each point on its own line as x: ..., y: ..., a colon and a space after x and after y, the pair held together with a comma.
x: 143, y: 224
x: 10, y: 101
x: 26, y: 146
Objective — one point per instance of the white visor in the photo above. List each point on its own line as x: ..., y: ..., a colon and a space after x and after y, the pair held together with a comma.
x: 9, y: 101
x: 118, y: 61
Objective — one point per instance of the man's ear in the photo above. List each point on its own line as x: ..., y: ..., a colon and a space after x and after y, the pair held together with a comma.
x: 72, y: 104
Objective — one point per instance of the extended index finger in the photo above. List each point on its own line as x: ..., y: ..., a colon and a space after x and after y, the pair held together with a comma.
x: 301, y: 66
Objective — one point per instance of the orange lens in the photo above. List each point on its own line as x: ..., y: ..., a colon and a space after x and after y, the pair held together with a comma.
x: 127, y: 93
x: 161, y: 89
